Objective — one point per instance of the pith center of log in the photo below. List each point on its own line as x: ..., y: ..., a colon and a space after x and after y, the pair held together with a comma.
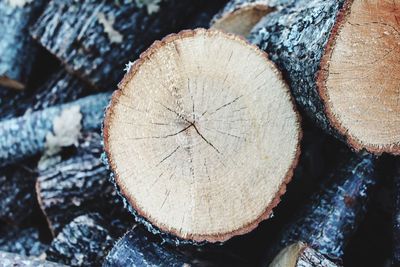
x: 202, y: 135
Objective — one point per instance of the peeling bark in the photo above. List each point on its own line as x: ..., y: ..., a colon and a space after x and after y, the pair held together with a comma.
x: 26, y: 136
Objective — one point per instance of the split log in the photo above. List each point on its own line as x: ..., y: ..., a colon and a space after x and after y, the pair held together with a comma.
x: 135, y: 249
x: 335, y: 55
x: 22, y: 241
x: 16, y: 260
x: 301, y: 255
x: 189, y: 153
x: 77, y: 185
x: 49, y: 129
x: 17, y: 49
x: 17, y: 195
x: 396, y: 217
x: 59, y: 89
x: 83, y: 242
x: 95, y: 40
x: 240, y: 16
x: 329, y: 220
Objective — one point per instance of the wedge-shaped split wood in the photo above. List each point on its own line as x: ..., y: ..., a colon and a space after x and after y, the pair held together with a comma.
x: 342, y: 60
x: 240, y: 16
x: 202, y: 136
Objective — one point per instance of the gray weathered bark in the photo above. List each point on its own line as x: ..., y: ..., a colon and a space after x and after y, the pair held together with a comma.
x: 329, y: 220
x: 295, y: 38
x: 78, y: 185
x: 83, y: 242
x: 95, y: 39
x: 29, y: 135
x: 17, y: 49
x: 12, y: 259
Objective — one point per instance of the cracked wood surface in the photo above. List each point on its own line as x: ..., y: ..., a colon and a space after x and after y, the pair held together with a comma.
x: 204, y: 150
x: 341, y: 59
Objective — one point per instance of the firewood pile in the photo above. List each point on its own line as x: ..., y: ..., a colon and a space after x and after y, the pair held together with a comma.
x: 200, y: 133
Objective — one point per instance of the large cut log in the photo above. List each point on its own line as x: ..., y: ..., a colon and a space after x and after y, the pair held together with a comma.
x: 396, y: 216
x: 16, y: 260
x: 336, y: 55
x: 135, y: 249
x: 22, y: 241
x: 331, y: 217
x: 95, y: 39
x: 77, y: 185
x: 240, y: 16
x: 199, y: 146
x: 50, y: 129
x: 17, y: 195
x: 300, y: 254
x: 17, y: 49
x: 83, y: 242
x: 60, y: 88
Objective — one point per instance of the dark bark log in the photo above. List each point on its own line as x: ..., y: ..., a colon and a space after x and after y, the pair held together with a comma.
x: 301, y: 255
x: 83, y: 242
x: 78, y: 185
x: 295, y: 39
x: 34, y: 133
x: 22, y: 241
x: 16, y: 260
x: 59, y: 89
x: 17, y: 193
x: 135, y: 249
x: 95, y: 40
x: 203, y: 17
x: 329, y: 220
x: 396, y: 216
x: 17, y: 49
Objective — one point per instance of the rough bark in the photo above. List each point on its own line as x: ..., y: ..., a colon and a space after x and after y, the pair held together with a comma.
x: 396, y: 216
x: 331, y: 217
x: 60, y: 88
x: 22, y: 241
x: 135, y: 249
x: 12, y: 259
x: 83, y: 242
x: 17, y: 49
x: 301, y: 255
x: 17, y: 193
x: 95, y: 40
x: 48, y: 128
x: 295, y: 38
x: 77, y: 185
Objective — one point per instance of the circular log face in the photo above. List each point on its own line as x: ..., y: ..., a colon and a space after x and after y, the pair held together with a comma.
x: 202, y: 135
x: 362, y: 76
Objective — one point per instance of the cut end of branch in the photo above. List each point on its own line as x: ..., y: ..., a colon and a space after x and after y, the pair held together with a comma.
x: 242, y: 19
x: 202, y: 135
x: 359, y: 78
x: 10, y: 83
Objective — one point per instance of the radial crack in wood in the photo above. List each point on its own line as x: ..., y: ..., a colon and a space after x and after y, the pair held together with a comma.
x: 202, y: 136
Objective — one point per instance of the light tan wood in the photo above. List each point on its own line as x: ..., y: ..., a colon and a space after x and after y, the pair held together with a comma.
x: 363, y: 86
x: 202, y: 135
x: 242, y: 20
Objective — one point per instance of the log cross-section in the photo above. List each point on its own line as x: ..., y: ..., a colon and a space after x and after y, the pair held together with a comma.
x: 342, y: 61
x: 202, y: 136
